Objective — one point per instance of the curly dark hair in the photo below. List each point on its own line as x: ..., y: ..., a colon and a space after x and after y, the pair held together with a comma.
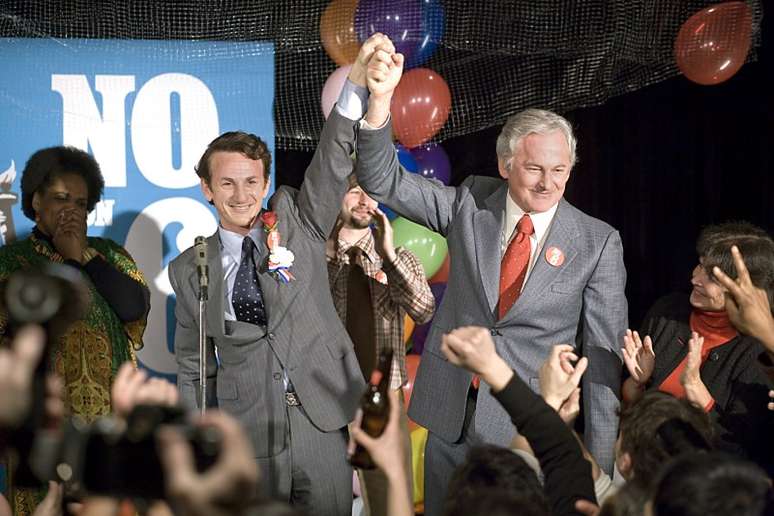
x: 712, y: 484
x: 244, y: 143
x: 755, y: 244
x: 490, y: 469
x: 47, y: 164
x: 659, y: 427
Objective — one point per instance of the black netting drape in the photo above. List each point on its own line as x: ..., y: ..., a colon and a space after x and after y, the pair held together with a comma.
x: 497, y: 56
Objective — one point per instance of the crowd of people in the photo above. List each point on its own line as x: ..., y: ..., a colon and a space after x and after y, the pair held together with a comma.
x: 537, y: 397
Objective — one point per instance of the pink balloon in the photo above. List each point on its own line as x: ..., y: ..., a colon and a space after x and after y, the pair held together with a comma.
x: 332, y: 88
x: 712, y: 44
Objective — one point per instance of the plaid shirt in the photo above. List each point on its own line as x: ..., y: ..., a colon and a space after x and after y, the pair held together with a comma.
x: 396, y: 289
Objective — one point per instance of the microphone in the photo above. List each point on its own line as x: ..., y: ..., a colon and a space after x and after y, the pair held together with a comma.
x: 202, y: 269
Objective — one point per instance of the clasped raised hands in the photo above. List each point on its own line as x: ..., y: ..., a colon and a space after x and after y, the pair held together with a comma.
x: 357, y: 73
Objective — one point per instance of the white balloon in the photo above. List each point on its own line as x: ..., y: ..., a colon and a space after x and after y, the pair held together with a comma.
x: 144, y: 244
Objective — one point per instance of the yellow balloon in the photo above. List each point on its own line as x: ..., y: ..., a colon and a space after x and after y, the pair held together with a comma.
x: 408, y: 328
x: 418, y: 441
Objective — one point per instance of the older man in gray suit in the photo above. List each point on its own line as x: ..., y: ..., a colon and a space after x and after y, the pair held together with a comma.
x: 525, y: 263
x: 285, y: 365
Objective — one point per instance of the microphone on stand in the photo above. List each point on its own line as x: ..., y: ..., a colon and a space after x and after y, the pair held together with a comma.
x: 202, y: 269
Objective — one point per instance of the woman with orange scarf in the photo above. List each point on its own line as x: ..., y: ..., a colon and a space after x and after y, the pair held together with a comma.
x: 691, y: 349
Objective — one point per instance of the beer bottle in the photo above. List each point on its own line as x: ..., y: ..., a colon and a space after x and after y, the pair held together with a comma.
x: 375, y: 405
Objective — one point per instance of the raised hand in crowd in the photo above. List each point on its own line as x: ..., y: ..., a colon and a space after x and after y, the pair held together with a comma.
x: 51, y: 505
x: 747, y: 305
x: 640, y: 359
x: 695, y: 390
x: 132, y: 387
x: 472, y: 348
x: 17, y: 368
x: 559, y: 380
x: 387, y: 452
x: 229, y: 487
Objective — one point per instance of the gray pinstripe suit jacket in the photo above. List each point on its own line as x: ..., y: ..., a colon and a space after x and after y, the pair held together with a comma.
x: 580, y: 302
x: 304, y: 334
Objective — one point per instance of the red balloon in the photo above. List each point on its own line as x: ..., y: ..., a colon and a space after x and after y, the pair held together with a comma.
x: 420, y: 106
x: 442, y: 276
x: 713, y: 44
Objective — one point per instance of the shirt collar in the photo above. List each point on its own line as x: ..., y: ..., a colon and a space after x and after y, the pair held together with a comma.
x: 540, y: 221
x: 365, y: 244
x: 231, y: 243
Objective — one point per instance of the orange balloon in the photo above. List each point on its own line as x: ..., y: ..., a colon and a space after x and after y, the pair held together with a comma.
x: 442, y: 276
x: 408, y: 327
x: 337, y: 31
x: 412, y: 364
x: 420, y: 106
x: 713, y: 44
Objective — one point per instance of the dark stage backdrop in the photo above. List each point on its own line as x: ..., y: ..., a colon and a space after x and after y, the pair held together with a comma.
x: 657, y: 164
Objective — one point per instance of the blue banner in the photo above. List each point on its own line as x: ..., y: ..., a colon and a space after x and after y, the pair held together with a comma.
x: 146, y: 110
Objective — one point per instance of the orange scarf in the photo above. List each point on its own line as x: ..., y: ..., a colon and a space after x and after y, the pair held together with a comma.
x: 716, y: 329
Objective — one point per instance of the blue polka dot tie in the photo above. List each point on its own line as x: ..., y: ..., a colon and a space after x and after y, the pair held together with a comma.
x: 247, y: 297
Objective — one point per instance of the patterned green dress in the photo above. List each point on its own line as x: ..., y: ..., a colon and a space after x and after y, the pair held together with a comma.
x: 89, y: 354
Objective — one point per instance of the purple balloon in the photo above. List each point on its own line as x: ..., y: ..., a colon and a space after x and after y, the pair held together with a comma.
x: 419, y: 335
x: 400, y: 20
x: 438, y: 289
x: 432, y: 162
x: 433, y: 25
x: 418, y: 338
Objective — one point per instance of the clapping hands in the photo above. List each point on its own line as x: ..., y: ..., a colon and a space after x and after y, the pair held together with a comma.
x: 638, y: 356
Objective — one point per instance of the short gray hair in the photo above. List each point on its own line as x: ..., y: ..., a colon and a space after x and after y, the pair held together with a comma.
x: 531, y: 121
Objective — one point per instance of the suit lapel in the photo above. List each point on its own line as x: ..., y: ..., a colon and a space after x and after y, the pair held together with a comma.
x: 215, y: 310
x: 487, y: 225
x: 562, y: 234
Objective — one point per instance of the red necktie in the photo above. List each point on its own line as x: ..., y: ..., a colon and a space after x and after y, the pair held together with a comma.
x: 513, y: 268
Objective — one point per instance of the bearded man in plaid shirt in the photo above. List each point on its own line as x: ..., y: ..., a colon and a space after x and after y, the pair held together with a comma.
x: 374, y: 286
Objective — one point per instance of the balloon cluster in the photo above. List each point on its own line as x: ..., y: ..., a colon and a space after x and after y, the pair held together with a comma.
x: 712, y: 44
x: 422, y: 101
x: 420, y: 107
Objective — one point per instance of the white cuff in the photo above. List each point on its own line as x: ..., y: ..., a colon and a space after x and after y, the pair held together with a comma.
x: 368, y: 127
x: 353, y: 100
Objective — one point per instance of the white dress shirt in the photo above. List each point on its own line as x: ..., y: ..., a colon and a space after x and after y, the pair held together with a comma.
x: 230, y: 258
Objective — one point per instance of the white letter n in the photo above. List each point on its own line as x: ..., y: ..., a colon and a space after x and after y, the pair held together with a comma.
x: 83, y: 126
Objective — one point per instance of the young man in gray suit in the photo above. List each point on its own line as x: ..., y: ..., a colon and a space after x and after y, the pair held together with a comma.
x: 525, y: 263
x: 285, y: 365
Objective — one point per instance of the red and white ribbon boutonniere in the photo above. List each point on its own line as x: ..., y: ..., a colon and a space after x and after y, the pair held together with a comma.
x: 280, y: 258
